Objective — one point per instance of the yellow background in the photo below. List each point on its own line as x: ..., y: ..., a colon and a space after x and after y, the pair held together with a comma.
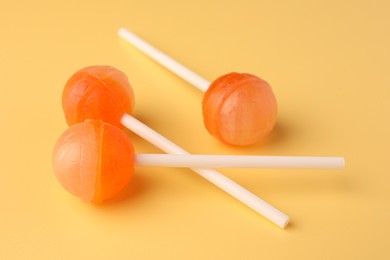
x: 328, y: 63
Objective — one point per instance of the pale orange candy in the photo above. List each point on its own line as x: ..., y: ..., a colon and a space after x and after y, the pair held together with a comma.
x: 94, y: 160
x: 97, y: 92
x: 239, y: 109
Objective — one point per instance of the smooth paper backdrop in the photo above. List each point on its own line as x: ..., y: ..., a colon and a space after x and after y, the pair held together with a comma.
x: 328, y: 64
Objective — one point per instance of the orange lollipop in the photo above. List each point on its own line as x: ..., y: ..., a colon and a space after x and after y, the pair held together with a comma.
x: 102, y: 92
x: 97, y: 92
x: 93, y: 160
x: 238, y: 109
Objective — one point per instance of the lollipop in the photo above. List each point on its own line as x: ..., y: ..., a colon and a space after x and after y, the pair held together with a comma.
x: 95, y: 160
x: 97, y: 92
x: 238, y: 108
x: 76, y: 93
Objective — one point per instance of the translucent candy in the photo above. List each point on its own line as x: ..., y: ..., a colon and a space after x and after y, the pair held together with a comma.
x: 239, y: 109
x: 97, y: 92
x: 94, y: 160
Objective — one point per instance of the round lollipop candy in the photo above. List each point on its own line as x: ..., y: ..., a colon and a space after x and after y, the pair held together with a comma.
x: 97, y: 92
x: 78, y: 90
x: 238, y: 108
x: 104, y: 102
x: 95, y: 160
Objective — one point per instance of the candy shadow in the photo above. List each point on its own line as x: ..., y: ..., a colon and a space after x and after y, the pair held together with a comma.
x: 277, y: 135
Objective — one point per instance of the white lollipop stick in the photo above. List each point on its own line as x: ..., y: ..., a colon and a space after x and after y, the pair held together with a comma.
x: 166, y: 61
x: 215, y: 177
x: 203, y: 84
x: 238, y: 161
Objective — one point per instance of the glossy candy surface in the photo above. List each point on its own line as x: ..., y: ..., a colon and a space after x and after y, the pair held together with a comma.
x: 93, y: 160
x: 239, y: 109
x: 97, y: 92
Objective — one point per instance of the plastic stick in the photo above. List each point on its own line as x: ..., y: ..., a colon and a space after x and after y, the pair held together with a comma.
x: 215, y: 177
x: 166, y: 61
x: 238, y: 161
